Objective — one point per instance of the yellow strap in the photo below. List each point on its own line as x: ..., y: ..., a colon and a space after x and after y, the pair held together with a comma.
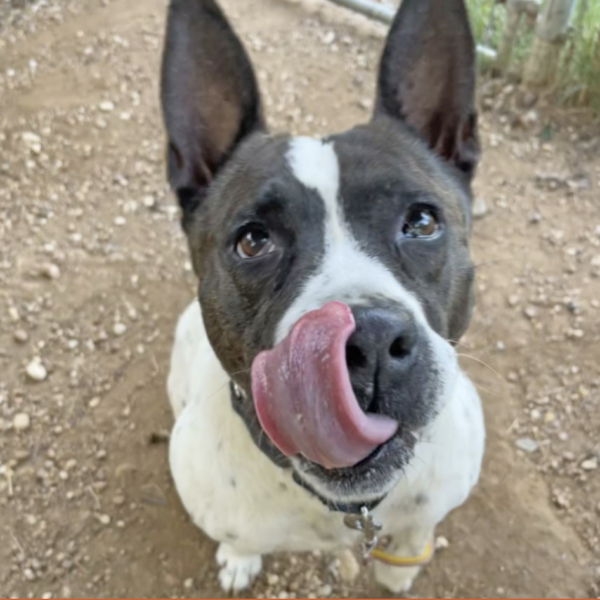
x: 404, y: 561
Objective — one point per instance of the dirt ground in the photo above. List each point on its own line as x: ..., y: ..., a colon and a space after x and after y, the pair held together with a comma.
x: 94, y: 271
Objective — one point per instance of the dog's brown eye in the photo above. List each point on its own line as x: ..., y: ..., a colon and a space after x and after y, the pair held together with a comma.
x: 419, y: 223
x: 253, y: 243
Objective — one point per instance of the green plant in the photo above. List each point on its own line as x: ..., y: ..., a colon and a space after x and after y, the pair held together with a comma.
x: 579, y: 80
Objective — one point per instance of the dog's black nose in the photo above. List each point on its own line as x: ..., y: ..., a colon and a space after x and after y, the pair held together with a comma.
x: 380, y: 352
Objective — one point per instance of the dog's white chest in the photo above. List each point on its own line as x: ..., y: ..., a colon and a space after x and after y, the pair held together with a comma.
x: 236, y: 495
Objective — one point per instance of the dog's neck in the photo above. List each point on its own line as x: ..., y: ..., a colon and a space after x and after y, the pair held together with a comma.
x: 244, y: 409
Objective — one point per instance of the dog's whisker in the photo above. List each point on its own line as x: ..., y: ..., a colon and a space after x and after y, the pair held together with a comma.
x: 485, y: 390
x: 460, y: 343
x: 481, y: 362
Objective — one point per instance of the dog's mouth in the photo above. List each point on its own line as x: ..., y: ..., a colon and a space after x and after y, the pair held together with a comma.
x: 304, y: 398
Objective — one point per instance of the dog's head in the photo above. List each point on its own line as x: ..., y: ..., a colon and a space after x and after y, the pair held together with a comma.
x: 333, y: 273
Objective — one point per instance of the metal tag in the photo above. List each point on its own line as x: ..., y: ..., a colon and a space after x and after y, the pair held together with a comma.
x: 367, y: 526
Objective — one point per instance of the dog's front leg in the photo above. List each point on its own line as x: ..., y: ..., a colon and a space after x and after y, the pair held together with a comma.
x: 408, y: 543
x: 238, y: 569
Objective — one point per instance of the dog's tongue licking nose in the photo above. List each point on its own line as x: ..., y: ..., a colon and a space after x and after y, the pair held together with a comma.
x: 303, y: 396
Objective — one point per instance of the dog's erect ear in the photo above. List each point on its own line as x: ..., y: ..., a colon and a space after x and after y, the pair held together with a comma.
x: 427, y: 78
x: 210, y: 96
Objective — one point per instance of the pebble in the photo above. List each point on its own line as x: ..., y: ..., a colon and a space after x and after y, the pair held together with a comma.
x: 50, y: 271
x: 36, y: 370
x: 527, y: 444
x: 480, y: 208
x: 32, y: 141
x: 513, y: 300
x: 441, y: 542
x: 21, y: 421
x: 188, y: 584
x: 94, y: 402
x: 29, y: 574
x: 104, y: 519
x: 20, y: 336
x: 272, y: 579
x: 107, y: 106
x: 119, y: 329
x: 591, y: 464
x: 149, y: 201
x: 531, y: 312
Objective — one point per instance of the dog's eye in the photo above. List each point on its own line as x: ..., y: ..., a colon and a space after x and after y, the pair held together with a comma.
x: 253, y: 243
x: 420, y: 223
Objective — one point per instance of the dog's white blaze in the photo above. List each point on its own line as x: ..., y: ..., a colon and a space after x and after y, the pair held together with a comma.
x: 347, y: 273
x: 315, y: 164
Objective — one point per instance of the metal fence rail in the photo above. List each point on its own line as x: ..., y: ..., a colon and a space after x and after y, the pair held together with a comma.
x: 384, y: 14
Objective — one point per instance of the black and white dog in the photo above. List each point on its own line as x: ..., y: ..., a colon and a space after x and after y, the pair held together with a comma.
x: 315, y: 374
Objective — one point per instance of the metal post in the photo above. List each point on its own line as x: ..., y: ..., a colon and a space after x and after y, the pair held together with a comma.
x: 377, y: 12
x: 386, y: 15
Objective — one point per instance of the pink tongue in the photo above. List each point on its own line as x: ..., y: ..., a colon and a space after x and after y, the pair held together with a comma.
x: 303, y: 396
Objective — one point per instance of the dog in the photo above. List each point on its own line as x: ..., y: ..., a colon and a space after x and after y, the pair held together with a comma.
x: 314, y: 381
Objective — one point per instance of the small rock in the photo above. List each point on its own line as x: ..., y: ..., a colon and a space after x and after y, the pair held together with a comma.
x: 480, y: 208
x: 272, y: 579
x: 441, y: 542
x: 527, y: 444
x: 29, y: 574
x: 36, y: 370
x: 20, y: 336
x: 107, y: 106
x: 104, y: 519
x: 561, y: 500
x: 21, y: 421
x: 32, y: 141
x: 366, y: 104
x: 119, y: 329
x: 188, y: 584
x: 149, y: 201
x: 94, y: 402
x: 325, y: 590
x: 531, y: 312
x: 50, y: 271
x: 591, y: 464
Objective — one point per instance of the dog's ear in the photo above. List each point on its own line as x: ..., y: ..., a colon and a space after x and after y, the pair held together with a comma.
x: 427, y: 78
x: 209, y: 94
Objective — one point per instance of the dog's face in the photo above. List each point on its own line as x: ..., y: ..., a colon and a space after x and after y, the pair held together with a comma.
x: 374, y: 221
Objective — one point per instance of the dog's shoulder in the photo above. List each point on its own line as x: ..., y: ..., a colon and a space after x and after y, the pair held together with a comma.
x: 189, y: 337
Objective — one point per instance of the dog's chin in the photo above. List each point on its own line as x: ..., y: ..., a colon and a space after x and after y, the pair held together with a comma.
x: 366, y: 483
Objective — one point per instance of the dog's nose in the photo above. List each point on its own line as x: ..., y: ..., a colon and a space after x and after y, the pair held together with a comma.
x: 379, y: 352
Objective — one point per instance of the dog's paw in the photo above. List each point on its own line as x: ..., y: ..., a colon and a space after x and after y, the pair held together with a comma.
x: 397, y: 580
x: 237, y: 570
